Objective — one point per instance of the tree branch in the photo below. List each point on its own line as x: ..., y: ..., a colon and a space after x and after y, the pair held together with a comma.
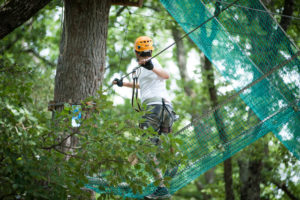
x: 120, y: 11
x: 284, y: 187
x: 36, y: 54
x: 70, y: 155
x: 62, y: 141
x: 15, y: 12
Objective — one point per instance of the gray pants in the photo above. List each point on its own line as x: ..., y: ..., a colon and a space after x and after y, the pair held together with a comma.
x: 160, y: 118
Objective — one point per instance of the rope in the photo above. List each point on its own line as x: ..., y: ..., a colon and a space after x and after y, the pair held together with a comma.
x: 258, y: 10
x: 209, y: 111
x: 183, y: 36
x: 191, y: 24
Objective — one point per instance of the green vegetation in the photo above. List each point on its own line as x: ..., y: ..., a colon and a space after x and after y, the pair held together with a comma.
x: 33, y: 160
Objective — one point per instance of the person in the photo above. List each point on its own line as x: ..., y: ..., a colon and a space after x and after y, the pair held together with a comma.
x: 152, y: 85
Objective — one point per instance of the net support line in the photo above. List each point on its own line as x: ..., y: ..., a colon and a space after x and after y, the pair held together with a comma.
x: 279, y: 25
x: 227, y: 144
x: 209, y: 111
x: 243, y: 50
x: 259, y: 10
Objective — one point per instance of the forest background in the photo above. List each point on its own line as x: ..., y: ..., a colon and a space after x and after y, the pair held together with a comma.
x: 32, y: 167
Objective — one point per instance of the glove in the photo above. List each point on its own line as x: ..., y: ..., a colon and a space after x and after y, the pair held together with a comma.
x: 148, y: 65
x: 119, y: 82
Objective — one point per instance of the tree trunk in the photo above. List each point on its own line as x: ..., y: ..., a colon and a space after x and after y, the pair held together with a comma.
x: 208, y: 74
x: 254, y: 179
x: 243, y: 174
x: 287, y: 10
x: 209, y: 176
x: 82, y: 55
x: 250, y: 178
x: 81, y: 62
x: 15, y: 12
x: 228, y: 179
x: 181, y: 60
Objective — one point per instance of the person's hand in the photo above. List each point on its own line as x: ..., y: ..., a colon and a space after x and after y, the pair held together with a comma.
x: 146, y: 64
x: 119, y: 82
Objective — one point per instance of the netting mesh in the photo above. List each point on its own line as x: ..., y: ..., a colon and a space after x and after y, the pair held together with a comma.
x: 243, y: 44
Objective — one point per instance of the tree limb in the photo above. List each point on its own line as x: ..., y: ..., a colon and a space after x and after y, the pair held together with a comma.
x: 53, y: 146
x: 15, y: 12
x: 36, y: 54
x: 284, y: 187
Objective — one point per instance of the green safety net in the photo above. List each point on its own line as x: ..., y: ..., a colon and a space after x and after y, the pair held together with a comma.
x: 244, y: 43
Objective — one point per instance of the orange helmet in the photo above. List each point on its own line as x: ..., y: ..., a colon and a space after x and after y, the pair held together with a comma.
x: 143, y: 43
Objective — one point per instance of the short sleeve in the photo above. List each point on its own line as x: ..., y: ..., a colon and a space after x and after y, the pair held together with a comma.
x: 156, y: 64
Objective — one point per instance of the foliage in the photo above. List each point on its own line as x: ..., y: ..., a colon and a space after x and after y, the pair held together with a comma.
x: 32, y: 164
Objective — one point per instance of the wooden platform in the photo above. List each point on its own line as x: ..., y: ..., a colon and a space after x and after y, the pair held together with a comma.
x: 137, y: 3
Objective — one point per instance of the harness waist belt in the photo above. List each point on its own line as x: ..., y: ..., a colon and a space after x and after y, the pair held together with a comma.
x: 155, y: 99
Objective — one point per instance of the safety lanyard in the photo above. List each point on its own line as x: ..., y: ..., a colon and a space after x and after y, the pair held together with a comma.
x: 136, y: 92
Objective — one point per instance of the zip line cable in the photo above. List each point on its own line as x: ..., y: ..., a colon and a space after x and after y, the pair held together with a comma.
x: 183, y: 36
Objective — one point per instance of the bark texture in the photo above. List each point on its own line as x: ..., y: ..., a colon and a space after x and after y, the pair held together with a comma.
x: 15, y: 12
x: 82, y: 51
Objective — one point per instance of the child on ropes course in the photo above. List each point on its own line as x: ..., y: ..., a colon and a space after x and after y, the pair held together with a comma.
x: 152, y: 86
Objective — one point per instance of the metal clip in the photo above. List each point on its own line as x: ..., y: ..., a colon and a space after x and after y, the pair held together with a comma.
x: 134, y: 74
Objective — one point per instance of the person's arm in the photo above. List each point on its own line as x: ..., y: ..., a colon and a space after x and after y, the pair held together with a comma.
x: 126, y: 84
x: 130, y: 85
x: 158, y: 71
x: 161, y: 73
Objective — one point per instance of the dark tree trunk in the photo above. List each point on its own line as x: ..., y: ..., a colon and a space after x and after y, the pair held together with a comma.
x: 254, y: 179
x: 287, y: 10
x: 243, y: 173
x: 181, y: 60
x: 81, y: 61
x: 15, y: 12
x: 228, y: 179
x: 250, y: 178
x: 82, y: 53
x: 208, y: 74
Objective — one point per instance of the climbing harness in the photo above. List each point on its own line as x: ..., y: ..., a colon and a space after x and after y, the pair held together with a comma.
x: 165, y: 115
x: 163, y: 129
